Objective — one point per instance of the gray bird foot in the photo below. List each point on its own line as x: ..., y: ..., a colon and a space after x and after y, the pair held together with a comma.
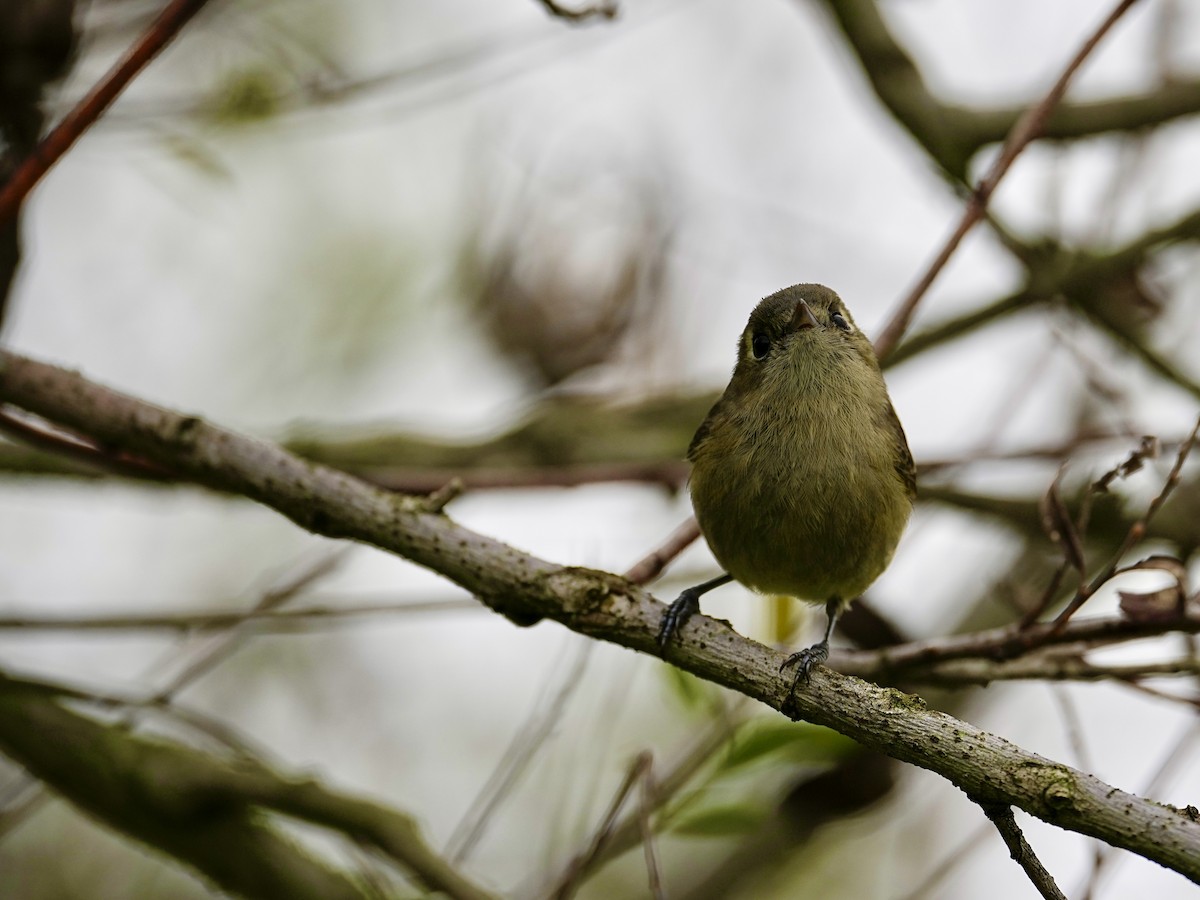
x: 683, y: 608
x: 805, y: 661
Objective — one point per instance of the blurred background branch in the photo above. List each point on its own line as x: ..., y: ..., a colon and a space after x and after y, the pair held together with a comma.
x: 617, y: 198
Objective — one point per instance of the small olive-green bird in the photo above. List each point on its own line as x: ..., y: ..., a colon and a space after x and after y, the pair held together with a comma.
x: 802, y: 480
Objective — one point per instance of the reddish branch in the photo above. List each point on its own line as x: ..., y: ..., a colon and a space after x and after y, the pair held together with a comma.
x: 91, y: 107
x: 79, y: 449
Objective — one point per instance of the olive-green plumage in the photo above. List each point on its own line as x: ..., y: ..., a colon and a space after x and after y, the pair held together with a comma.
x: 802, y: 480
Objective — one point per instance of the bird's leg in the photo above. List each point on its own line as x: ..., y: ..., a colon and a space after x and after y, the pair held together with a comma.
x: 685, y: 606
x: 805, y: 660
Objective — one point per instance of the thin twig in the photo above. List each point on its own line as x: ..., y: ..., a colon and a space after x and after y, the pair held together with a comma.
x: 1007, y: 642
x: 627, y: 833
x: 60, y: 139
x: 1025, y: 130
x: 514, y: 762
x: 952, y: 860
x: 1147, y: 448
x: 534, y: 733
x: 1006, y: 823
x: 1158, y: 781
x: 646, y: 805
x: 78, y: 448
x: 580, y: 864
x: 262, y: 621
x: 670, y: 473
x: 1042, y: 667
x: 1135, y: 533
x: 649, y: 568
x: 1083, y: 440
x: 222, y: 645
x: 1193, y: 702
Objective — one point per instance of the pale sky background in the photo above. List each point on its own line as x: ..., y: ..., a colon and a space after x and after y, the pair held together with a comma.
x: 302, y: 271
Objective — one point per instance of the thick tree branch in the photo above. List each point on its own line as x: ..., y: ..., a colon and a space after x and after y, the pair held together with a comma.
x: 606, y: 607
x: 202, y: 810
x: 952, y: 133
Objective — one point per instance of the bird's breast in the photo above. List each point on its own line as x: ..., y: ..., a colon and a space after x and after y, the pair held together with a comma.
x: 796, y: 499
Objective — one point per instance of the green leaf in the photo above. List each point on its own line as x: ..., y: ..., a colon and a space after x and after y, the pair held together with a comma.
x: 692, y: 692
x: 760, y: 738
x: 721, y: 821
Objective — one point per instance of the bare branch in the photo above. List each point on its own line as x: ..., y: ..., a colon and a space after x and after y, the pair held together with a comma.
x: 953, y: 133
x: 204, y: 810
x: 1028, y: 127
x: 627, y: 833
x: 603, y: 606
x: 1004, y: 820
x: 1043, y: 667
x: 649, y: 568
x: 60, y: 139
x: 573, y: 875
x: 529, y: 738
x: 214, y: 652
x: 1182, y: 750
x: 261, y: 621
x: 1086, y: 280
x: 1006, y: 643
x: 74, y: 448
x: 1136, y: 532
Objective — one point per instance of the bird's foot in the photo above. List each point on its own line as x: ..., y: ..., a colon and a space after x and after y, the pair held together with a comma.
x: 683, y: 608
x: 805, y: 661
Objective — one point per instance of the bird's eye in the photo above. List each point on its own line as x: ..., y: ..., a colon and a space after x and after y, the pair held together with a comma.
x: 760, y: 346
x: 840, y: 321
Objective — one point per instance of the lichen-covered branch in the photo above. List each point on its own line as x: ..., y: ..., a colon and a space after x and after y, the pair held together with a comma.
x: 203, y: 810
x: 603, y: 606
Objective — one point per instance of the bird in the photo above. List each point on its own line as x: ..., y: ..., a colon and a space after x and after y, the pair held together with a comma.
x: 802, y: 481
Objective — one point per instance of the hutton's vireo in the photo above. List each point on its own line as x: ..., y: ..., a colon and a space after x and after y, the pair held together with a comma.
x: 802, y: 480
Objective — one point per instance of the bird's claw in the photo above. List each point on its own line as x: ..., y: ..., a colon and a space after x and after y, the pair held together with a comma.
x: 683, y: 608
x: 805, y: 661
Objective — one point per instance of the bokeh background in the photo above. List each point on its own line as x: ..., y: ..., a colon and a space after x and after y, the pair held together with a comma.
x: 465, y: 237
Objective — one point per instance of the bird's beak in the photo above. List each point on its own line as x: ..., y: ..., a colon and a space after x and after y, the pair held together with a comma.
x: 802, y: 318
